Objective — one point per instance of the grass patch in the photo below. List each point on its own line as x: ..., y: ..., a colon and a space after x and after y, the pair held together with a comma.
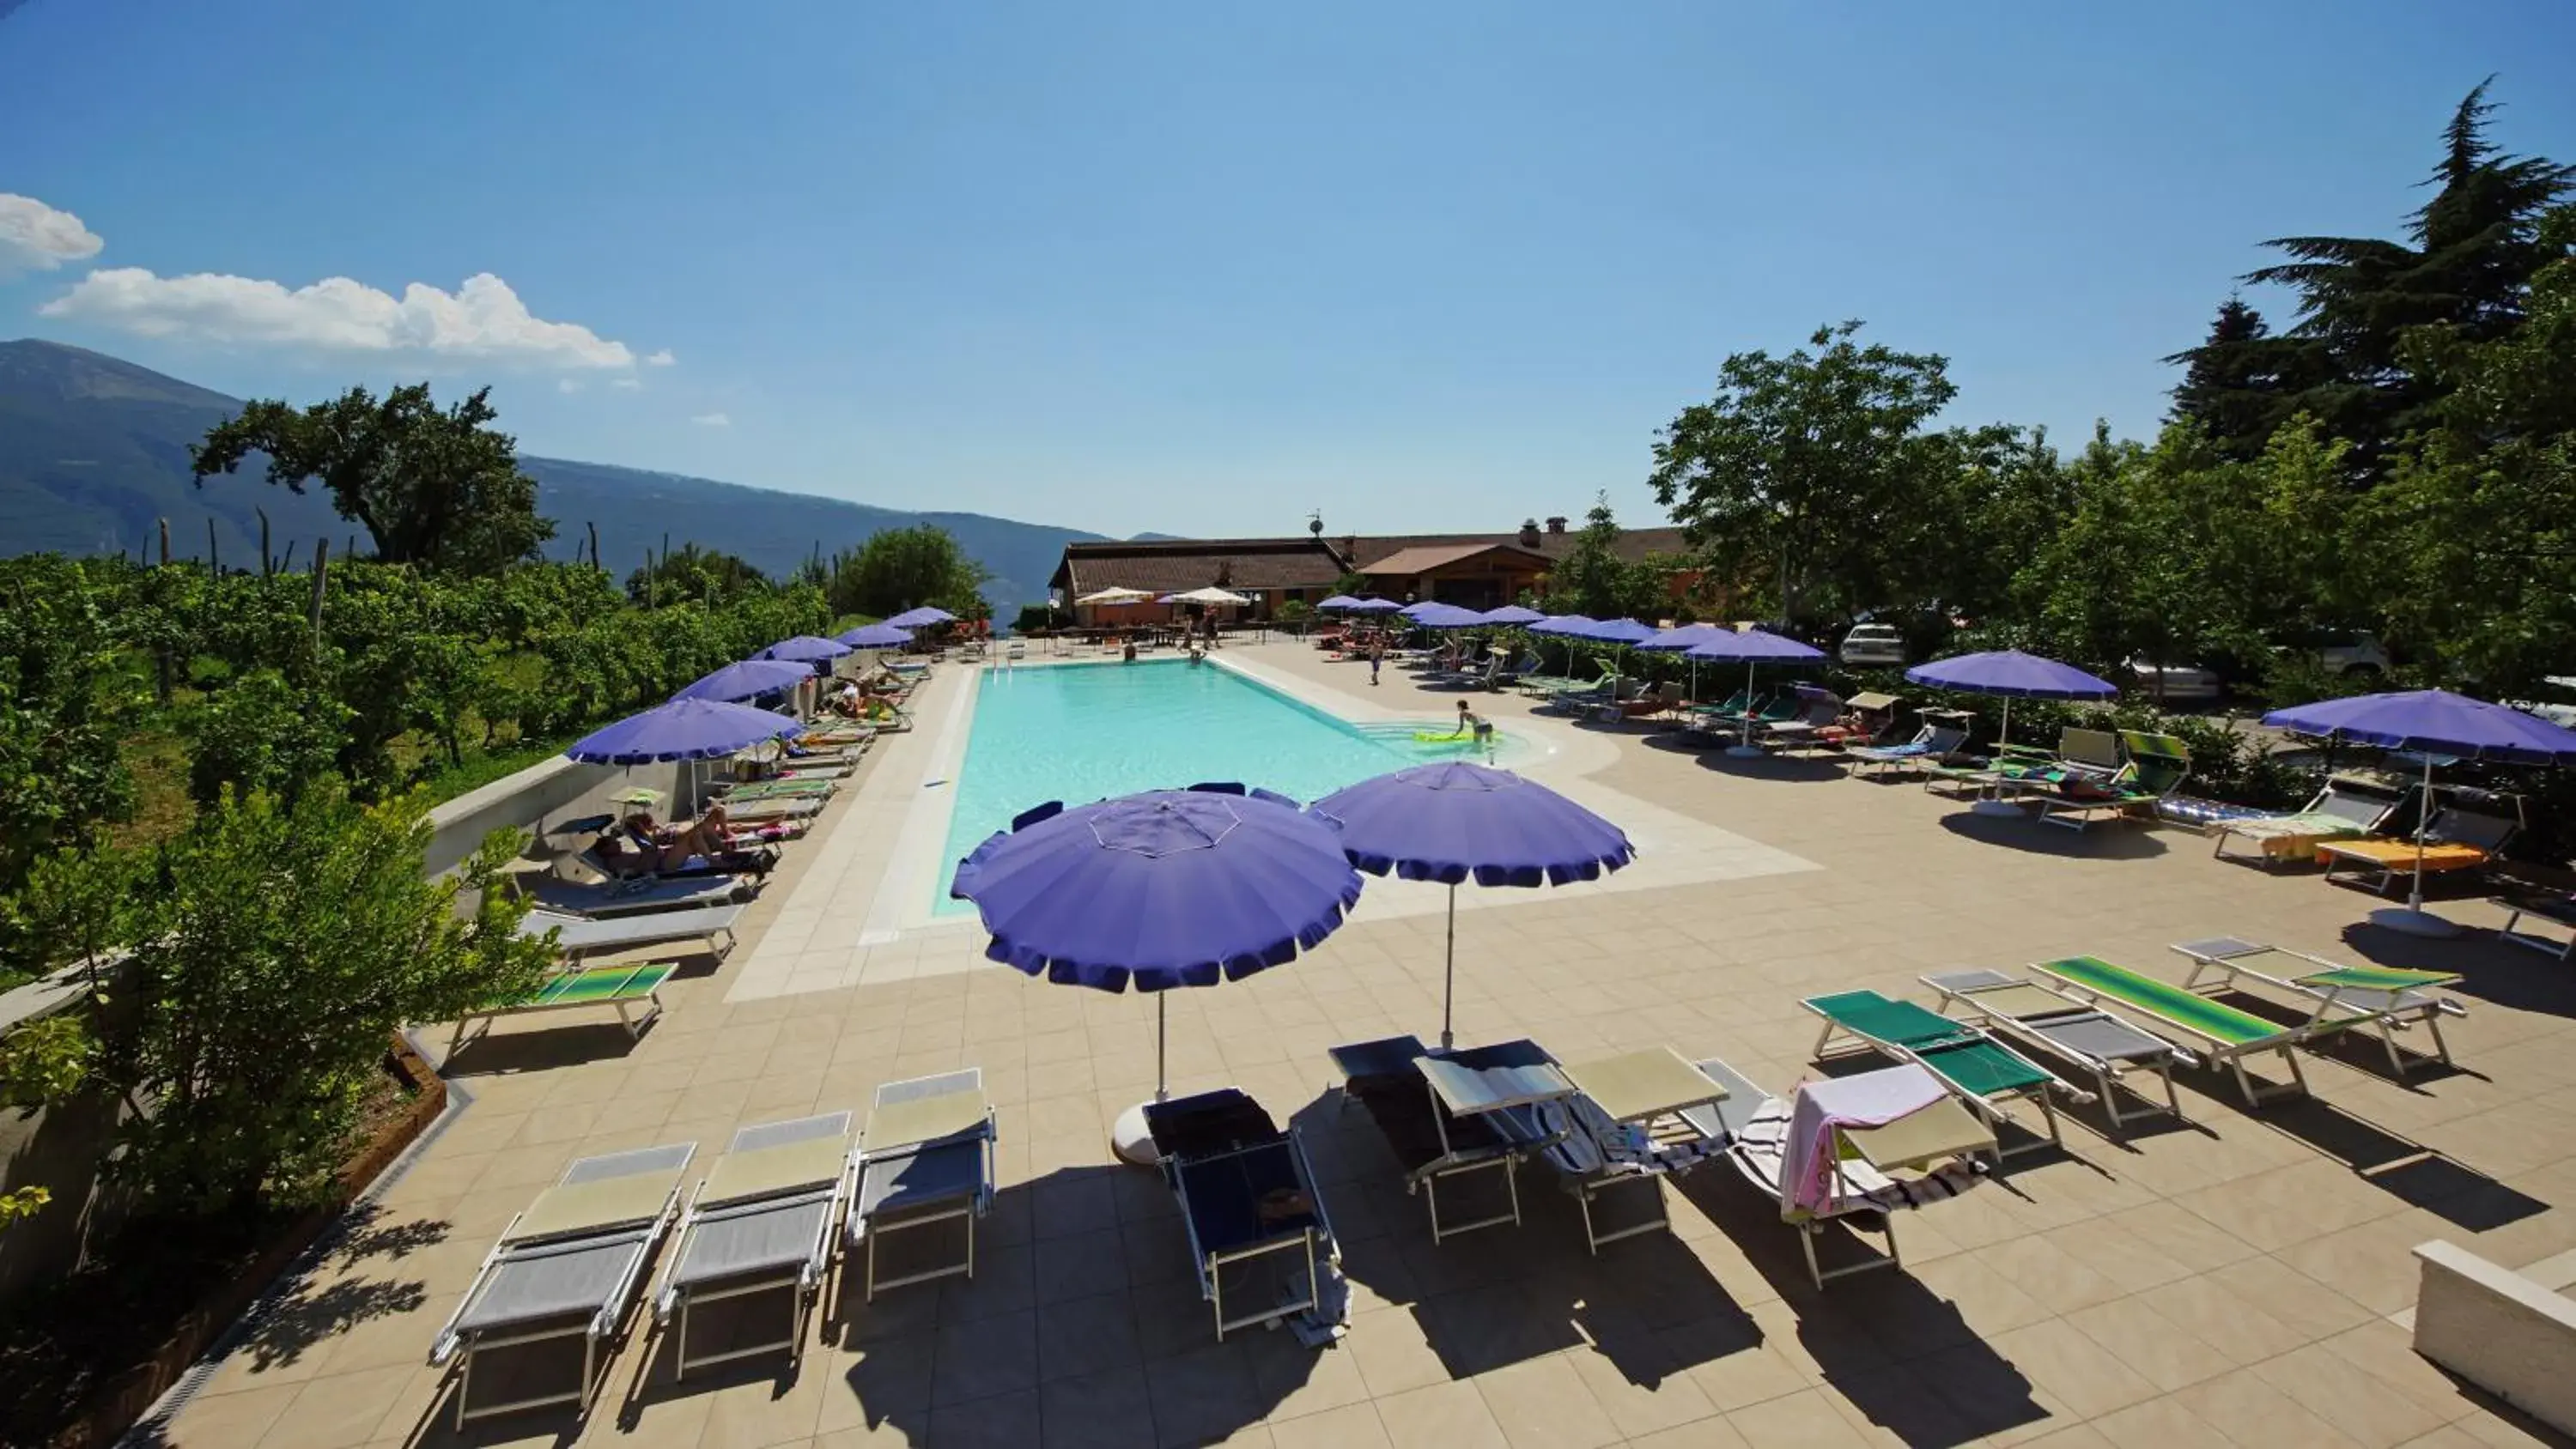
x: 481, y: 768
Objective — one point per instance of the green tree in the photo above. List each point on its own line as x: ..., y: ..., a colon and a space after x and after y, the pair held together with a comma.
x: 1595, y: 579
x: 1803, y: 478
x: 2233, y: 385
x: 437, y: 487
x: 67, y: 696
x: 282, y: 948
x: 2465, y: 264
x: 262, y: 733
x: 706, y: 576
x: 900, y: 569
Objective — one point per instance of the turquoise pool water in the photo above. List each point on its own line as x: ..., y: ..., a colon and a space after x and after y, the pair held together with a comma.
x: 1080, y: 732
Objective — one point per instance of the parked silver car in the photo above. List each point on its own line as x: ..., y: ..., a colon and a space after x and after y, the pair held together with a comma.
x: 2173, y: 682
x: 1881, y: 645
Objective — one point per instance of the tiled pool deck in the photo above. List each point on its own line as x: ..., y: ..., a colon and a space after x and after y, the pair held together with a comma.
x: 2233, y: 1281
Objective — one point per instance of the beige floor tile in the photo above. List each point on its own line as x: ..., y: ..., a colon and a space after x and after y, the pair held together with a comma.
x: 1352, y: 1426
x: 2071, y: 1368
x: 2150, y: 1344
x: 2254, y: 1414
x: 2158, y: 1423
x: 1450, y: 1415
x: 1543, y: 1403
x: 1803, y: 1420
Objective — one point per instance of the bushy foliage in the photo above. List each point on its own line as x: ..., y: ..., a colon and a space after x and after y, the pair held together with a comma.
x: 900, y: 569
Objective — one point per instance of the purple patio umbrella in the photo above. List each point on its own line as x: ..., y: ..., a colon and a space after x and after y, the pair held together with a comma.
x: 806, y: 648
x: 1755, y: 647
x: 875, y: 636
x: 2010, y: 675
x: 2428, y: 721
x: 922, y: 618
x: 1455, y: 822
x: 1167, y: 888
x: 1678, y: 641
x: 1337, y: 602
x: 1444, y: 616
x: 1570, y: 625
x: 1513, y: 614
x: 683, y: 729
x: 1374, y: 606
x: 750, y: 679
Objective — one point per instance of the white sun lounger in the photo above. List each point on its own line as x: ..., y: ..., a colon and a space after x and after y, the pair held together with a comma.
x: 582, y: 935
x: 924, y: 1158
x: 1630, y: 1124
x: 2070, y: 1029
x: 1936, y: 1148
x: 566, y: 1267
x: 638, y: 896
x: 761, y: 1220
x: 2337, y: 997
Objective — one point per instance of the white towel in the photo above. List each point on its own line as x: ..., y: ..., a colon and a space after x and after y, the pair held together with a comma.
x: 1871, y: 1099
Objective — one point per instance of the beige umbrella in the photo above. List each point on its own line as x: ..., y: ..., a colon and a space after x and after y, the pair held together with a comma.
x: 1115, y: 596
x: 1210, y: 595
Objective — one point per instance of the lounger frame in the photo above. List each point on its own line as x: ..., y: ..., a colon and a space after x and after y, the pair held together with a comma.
x: 650, y: 998
x: 868, y: 1227
x: 1518, y: 1136
x: 2558, y: 911
x: 2224, y: 967
x: 604, y: 1325
x: 2107, y: 1072
x: 2211, y: 1050
x: 1982, y: 1105
x: 1212, y: 1265
x: 809, y: 1279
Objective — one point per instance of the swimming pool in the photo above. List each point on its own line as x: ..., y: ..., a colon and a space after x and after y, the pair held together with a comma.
x: 1079, y: 732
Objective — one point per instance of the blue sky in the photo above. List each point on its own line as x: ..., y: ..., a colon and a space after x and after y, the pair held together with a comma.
x: 1194, y: 268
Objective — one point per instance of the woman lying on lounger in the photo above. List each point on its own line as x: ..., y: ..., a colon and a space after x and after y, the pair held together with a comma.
x: 649, y: 848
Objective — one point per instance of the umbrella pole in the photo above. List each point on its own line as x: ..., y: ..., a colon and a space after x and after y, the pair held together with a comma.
x: 1131, y: 1137
x: 1162, y: 1035
x: 1745, y: 749
x: 2412, y: 919
x: 1449, y: 974
x: 1996, y: 804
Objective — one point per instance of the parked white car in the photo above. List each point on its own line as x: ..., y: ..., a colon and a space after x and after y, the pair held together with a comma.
x: 2352, y: 652
x: 2172, y: 682
x: 1874, y: 644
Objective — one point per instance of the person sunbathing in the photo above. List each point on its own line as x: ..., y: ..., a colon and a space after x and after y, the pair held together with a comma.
x: 709, y: 838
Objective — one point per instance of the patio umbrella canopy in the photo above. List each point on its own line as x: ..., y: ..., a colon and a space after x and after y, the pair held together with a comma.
x: 888, y: 635
x: 1513, y: 614
x: 2010, y: 674
x: 1754, y: 647
x: 1115, y: 596
x: 1445, y: 616
x: 922, y: 618
x: 1337, y: 602
x: 2430, y: 721
x: 1374, y: 606
x: 1211, y: 595
x: 1457, y: 822
x: 1153, y: 891
x: 1679, y: 640
x: 683, y: 729
x: 805, y: 647
x: 748, y: 680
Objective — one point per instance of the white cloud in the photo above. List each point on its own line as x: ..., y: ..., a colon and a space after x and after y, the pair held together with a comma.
x: 628, y: 383
x: 35, y: 237
x: 568, y: 384
x: 712, y: 420
x: 482, y: 320
x: 662, y: 358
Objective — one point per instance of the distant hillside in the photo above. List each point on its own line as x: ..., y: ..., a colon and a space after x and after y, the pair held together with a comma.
x: 94, y: 450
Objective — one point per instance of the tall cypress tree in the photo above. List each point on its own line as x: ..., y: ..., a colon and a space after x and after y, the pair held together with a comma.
x: 2465, y: 266
x: 2233, y: 384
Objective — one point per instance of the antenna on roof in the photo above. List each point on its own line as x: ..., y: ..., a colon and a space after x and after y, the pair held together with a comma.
x: 1315, y: 522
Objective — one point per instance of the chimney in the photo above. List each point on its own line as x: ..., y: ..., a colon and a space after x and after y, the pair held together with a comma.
x: 1529, y: 533
x: 1556, y: 524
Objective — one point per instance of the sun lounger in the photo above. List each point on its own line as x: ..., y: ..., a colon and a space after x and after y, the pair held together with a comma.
x: 1982, y: 1070
x: 581, y: 936
x: 2556, y: 907
x: 2454, y: 840
x: 2220, y: 1033
x: 1931, y: 744
x: 1249, y: 1200
x: 2209, y: 817
x: 634, y: 992
x: 632, y: 896
x: 2074, y: 799
x: 761, y: 1221
x: 1918, y: 1159
x: 2158, y: 763
x: 1630, y: 1124
x: 2337, y: 997
x: 1454, y: 1114
x: 751, y: 790
x: 566, y: 1267
x: 925, y: 1157
x: 2346, y: 808
x: 2069, y: 1029
x: 794, y: 812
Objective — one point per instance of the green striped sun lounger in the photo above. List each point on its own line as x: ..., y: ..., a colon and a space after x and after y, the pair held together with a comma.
x: 2224, y: 1034
x: 634, y: 991
x: 1982, y: 1070
x: 2336, y: 997
x: 781, y: 790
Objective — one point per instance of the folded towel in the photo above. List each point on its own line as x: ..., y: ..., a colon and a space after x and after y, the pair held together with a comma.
x: 1818, y: 1110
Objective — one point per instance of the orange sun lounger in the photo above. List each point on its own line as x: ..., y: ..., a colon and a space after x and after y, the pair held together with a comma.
x: 2455, y: 840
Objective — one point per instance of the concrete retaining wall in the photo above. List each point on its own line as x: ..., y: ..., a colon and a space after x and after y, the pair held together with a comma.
x: 2499, y: 1330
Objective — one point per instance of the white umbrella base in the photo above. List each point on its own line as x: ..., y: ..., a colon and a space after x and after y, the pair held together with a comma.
x: 1744, y: 752
x: 1997, y: 808
x: 2411, y: 921
x: 1129, y: 1138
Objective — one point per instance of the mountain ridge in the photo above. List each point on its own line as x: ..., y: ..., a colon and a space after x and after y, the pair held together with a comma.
x: 94, y: 450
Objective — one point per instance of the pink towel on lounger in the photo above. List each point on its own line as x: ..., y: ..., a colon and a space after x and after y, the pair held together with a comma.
x: 1871, y: 1099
